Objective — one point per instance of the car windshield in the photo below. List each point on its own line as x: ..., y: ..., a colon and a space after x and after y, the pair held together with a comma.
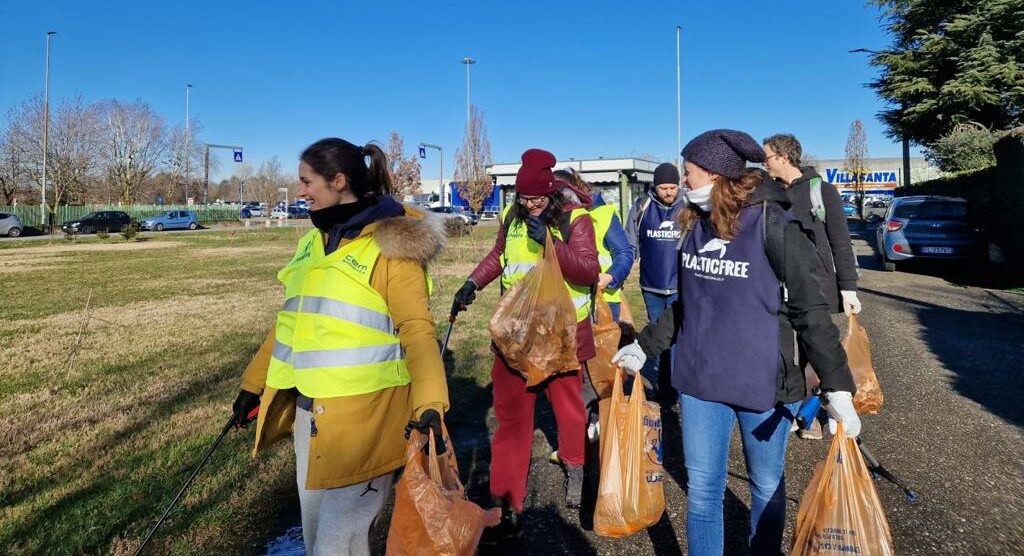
x: 90, y: 215
x: 169, y: 214
x: 932, y: 210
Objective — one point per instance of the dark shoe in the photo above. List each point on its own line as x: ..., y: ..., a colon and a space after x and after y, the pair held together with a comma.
x: 506, y: 530
x: 573, y: 486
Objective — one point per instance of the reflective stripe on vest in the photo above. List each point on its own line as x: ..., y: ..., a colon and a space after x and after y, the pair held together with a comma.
x: 522, y: 253
x: 602, y: 217
x: 334, y: 334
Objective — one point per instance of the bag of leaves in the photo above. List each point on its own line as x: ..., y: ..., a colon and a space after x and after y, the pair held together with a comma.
x: 606, y: 341
x: 432, y: 514
x: 630, y: 495
x: 534, y: 324
x: 840, y: 513
x: 868, y: 399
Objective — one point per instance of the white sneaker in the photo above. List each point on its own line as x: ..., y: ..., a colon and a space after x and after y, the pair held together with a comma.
x: 594, y: 431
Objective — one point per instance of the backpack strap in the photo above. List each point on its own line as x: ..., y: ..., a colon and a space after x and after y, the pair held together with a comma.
x: 645, y: 203
x: 817, y: 203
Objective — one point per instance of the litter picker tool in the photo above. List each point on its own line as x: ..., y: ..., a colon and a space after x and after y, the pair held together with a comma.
x: 224, y: 432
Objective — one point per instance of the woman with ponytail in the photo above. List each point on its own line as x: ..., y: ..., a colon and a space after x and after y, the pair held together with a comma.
x: 749, y: 296
x: 352, y: 364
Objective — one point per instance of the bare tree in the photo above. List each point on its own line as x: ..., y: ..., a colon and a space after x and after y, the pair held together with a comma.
x: 176, y: 152
x: 132, y: 145
x: 856, y: 161
x: 471, y: 161
x: 405, y: 172
x: 264, y: 186
x: 13, y: 174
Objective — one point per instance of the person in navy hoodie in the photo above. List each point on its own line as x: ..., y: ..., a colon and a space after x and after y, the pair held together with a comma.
x: 748, y: 292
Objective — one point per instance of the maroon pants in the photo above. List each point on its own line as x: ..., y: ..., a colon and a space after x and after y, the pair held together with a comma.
x: 513, y: 441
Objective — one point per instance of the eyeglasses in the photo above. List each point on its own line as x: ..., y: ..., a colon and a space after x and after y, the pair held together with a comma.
x: 527, y: 201
x: 771, y: 157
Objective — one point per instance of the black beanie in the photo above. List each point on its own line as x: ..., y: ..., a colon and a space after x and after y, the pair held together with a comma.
x: 723, y: 151
x: 666, y: 172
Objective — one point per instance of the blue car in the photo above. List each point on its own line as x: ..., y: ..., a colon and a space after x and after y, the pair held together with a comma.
x: 850, y: 211
x: 928, y: 227
x: 171, y: 220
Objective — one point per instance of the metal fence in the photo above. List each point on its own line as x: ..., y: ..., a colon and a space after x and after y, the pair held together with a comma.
x: 30, y: 214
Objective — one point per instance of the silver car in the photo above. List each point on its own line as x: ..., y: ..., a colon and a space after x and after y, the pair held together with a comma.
x: 10, y: 225
x: 928, y: 227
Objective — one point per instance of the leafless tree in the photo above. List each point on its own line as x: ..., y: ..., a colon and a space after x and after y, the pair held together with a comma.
x: 471, y: 161
x: 405, y: 172
x: 856, y: 161
x: 264, y: 185
x: 13, y: 172
x: 176, y: 152
x: 132, y: 144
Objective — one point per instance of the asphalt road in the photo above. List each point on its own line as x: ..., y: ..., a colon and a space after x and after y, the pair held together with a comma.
x: 949, y: 359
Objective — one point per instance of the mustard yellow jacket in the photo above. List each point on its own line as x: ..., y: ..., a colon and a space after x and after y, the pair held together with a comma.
x: 361, y: 437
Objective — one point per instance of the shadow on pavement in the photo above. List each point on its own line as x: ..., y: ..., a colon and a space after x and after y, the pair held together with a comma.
x: 982, y: 349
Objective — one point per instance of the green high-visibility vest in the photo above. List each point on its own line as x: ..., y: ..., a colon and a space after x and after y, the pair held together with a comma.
x: 522, y: 253
x: 602, y: 217
x: 334, y: 335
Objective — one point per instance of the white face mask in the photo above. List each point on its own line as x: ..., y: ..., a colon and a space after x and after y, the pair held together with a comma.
x: 701, y: 197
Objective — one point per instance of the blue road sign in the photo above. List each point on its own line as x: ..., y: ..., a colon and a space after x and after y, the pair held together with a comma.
x: 423, y: 152
x: 238, y: 156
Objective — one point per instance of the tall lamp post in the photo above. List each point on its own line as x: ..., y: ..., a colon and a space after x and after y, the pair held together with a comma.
x: 679, y: 120
x: 468, y: 62
x: 46, y: 126
x: 188, y: 89
x: 903, y: 129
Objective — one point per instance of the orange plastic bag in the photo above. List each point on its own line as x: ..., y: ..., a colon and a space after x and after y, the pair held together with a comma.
x: 631, y: 494
x: 840, y: 513
x: 606, y: 340
x: 625, y: 314
x: 868, y: 399
x: 432, y: 515
x: 534, y: 324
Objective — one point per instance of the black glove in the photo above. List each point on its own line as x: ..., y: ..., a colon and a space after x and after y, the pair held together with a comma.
x: 536, y: 229
x: 244, y: 404
x: 464, y: 297
x: 429, y: 421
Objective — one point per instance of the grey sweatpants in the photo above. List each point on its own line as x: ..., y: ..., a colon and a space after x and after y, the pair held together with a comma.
x: 335, y: 521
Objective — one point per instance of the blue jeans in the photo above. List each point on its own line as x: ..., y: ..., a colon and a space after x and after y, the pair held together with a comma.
x: 615, y: 307
x: 660, y: 369
x: 707, y: 430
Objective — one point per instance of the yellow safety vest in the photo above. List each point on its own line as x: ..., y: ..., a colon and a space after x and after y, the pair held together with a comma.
x: 522, y: 253
x: 334, y: 335
x: 602, y: 217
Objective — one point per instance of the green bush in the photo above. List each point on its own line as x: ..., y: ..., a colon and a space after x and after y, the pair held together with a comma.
x: 967, y: 147
x: 70, y: 234
x: 130, y: 230
x: 103, y: 235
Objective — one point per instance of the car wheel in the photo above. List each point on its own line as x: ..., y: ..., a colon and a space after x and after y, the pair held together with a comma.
x: 159, y: 227
x: 192, y: 225
x: 14, y: 232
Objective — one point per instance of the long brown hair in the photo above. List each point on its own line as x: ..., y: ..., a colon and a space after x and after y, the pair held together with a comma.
x: 727, y: 199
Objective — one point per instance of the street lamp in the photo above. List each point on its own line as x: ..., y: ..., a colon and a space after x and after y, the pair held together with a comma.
x: 46, y: 125
x: 440, y: 182
x: 468, y: 62
x: 679, y: 124
x: 903, y: 128
x: 188, y: 88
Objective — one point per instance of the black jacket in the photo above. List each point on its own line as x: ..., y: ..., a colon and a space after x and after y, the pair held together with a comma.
x: 804, y: 320
x: 831, y: 237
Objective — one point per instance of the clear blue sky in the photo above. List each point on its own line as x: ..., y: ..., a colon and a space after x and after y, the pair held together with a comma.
x: 582, y: 79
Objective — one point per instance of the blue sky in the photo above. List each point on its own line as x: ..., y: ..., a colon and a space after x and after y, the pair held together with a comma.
x: 582, y: 79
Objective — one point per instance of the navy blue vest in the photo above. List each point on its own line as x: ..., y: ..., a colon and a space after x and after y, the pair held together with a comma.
x: 659, y: 232
x: 728, y: 344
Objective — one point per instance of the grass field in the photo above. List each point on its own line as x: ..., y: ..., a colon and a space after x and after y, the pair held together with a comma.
x: 120, y: 363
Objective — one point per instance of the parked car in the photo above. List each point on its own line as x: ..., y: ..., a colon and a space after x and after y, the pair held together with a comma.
x: 463, y: 213
x: 106, y: 220
x: 171, y: 220
x: 928, y: 227
x: 252, y: 211
x: 10, y: 225
x: 849, y: 210
x: 298, y: 211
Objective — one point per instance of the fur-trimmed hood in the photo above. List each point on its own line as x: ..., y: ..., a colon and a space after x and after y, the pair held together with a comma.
x: 418, y: 235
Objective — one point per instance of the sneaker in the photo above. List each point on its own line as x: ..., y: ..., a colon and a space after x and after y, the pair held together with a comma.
x: 506, y: 530
x: 594, y: 431
x: 554, y: 459
x: 573, y: 486
x: 814, y: 433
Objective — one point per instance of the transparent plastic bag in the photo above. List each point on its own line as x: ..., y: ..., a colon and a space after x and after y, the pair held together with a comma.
x: 840, y: 512
x: 869, y: 398
x: 432, y: 515
x: 534, y: 324
x: 606, y: 341
x: 631, y: 494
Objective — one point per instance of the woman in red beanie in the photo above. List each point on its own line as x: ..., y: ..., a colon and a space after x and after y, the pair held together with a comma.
x: 539, y: 210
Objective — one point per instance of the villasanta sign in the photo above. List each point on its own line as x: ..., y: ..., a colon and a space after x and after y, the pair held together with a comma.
x: 874, y: 182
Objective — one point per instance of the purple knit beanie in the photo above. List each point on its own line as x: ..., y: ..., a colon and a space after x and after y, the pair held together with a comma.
x: 723, y: 151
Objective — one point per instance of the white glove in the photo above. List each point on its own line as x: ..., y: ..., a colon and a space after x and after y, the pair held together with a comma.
x: 840, y: 408
x: 631, y: 358
x: 851, y: 305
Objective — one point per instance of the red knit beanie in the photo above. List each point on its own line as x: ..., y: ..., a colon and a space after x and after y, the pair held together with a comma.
x: 535, y: 176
